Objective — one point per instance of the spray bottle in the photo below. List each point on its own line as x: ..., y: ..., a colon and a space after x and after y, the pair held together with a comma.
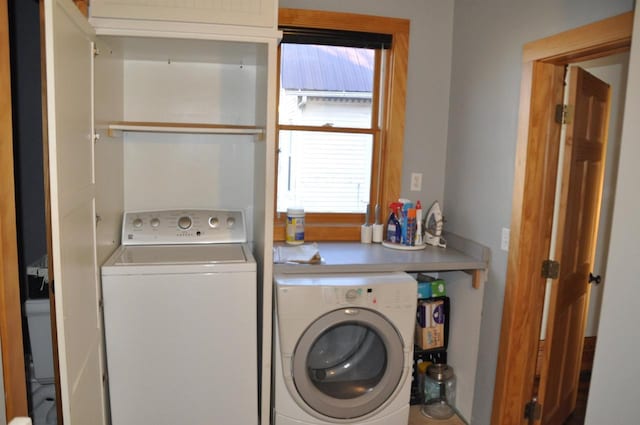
x: 393, y: 225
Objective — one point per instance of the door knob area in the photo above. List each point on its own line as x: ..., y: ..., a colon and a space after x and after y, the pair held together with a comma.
x: 595, y: 279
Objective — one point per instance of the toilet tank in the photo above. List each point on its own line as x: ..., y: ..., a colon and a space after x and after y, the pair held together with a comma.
x: 39, y: 324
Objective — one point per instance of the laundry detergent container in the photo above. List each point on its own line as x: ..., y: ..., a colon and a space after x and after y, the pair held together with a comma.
x: 39, y: 323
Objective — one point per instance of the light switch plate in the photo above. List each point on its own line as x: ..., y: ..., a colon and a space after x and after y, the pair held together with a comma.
x: 416, y: 182
x: 504, y: 243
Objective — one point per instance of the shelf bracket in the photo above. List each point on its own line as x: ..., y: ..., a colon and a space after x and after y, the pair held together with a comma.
x: 478, y: 277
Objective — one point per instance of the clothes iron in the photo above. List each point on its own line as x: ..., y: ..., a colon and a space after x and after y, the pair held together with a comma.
x: 433, y: 223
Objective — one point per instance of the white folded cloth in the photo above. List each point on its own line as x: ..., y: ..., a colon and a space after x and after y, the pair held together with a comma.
x: 304, y: 254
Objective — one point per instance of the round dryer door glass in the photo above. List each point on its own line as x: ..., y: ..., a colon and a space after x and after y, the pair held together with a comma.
x: 348, y: 363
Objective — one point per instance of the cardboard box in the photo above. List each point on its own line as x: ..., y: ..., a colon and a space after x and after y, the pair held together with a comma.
x: 438, y: 288
x: 430, y: 318
x: 424, y: 289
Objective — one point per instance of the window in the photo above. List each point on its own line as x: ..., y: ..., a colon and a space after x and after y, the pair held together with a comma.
x: 339, y: 141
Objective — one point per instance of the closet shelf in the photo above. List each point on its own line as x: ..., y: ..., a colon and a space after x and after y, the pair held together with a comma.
x: 193, y: 128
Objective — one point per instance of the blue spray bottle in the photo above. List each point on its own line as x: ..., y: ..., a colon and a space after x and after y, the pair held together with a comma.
x: 394, y: 231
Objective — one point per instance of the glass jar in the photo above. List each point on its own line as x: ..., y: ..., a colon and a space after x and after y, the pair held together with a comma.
x: 439, y: 392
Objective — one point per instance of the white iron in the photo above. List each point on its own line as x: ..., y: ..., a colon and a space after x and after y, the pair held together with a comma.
x: 433, y: 224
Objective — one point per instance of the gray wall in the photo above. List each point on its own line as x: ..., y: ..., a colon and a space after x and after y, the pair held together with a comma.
x: 613, y: 397
x: 427, y: 86
x: 487, y: 49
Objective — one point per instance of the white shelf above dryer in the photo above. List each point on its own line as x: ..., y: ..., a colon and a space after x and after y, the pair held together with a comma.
x: 190, y: 128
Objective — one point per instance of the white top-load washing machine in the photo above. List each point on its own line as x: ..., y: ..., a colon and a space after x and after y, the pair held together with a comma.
x: 343, y: 348
x: 180, y: 320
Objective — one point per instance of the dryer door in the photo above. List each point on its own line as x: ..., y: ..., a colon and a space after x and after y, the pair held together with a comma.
x: 348, y: 363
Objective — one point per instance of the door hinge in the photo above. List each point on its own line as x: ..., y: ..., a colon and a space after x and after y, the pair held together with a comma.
x: 533, y: 410
x: 550, y: 269
x: 96, y: 51
x: 563, y: 114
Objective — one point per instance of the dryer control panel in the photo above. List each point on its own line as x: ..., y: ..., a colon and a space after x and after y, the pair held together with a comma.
x: 175, y: 227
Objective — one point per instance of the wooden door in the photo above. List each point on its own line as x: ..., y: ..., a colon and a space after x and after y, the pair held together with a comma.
x: 12, y: 357
x: 583, y: 171
x: 69, y: 70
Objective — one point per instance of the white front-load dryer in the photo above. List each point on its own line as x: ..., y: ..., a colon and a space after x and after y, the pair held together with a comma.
x: 343, y: 348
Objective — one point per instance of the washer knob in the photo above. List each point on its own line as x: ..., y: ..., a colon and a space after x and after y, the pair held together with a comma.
x: 137, y: 223
x: 155, y: 222
x: 230, y: 222
x: 351, y: 295
x: 184, y: 222
x: 213, y: 222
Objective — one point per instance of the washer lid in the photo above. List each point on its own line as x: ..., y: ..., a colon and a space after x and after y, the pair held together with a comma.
x: 180, y: 254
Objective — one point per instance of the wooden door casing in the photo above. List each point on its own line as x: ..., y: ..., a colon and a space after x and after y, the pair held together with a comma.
x: 13, y: 367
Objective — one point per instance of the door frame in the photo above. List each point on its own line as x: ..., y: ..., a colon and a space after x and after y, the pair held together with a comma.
x: 13, y: 366
x: 536, y: 165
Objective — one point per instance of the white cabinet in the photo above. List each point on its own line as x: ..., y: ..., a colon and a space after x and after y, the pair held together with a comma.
x: 239, y: 13
x: 149, y: 116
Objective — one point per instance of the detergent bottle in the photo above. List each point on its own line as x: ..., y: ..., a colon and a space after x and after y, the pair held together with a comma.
x: 404, y: 223
x: 393, y: 225
x: 411, y: 227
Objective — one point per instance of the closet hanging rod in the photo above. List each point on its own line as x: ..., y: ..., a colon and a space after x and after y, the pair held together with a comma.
x: 195, y: 128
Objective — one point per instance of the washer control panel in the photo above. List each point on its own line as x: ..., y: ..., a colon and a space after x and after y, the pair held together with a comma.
x: 172, y: 227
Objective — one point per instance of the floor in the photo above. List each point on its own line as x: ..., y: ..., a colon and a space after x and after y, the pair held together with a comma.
x: 417, y: 418
x: 577, y: 417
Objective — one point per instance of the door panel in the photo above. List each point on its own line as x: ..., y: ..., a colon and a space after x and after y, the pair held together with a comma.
x: 69, y: 63
x: 583, y: 171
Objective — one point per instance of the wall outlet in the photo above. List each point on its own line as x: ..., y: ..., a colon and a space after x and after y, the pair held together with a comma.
x: 416, y: 182
x: 504, y: 243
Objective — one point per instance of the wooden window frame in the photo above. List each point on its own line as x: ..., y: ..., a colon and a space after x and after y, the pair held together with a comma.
x: 388, y: 139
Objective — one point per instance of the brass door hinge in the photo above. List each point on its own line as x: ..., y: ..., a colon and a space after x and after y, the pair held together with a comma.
x: 550, y: 269
x: 564, y: 114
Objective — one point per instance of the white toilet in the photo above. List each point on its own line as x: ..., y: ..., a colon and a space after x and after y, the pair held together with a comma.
x: 42, y: 386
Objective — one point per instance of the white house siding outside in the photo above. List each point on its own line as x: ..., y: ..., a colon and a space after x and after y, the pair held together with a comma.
x: 324, y: 172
